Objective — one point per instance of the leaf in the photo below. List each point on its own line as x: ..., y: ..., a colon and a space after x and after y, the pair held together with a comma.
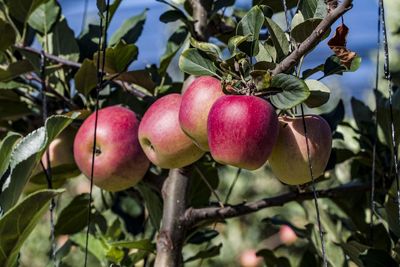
x: 278, y: 37
x: 172, y: 15
x: 119, y: 57
x: 205, y: 254
x: 15, y: 69
x: 26, y: 155
x: 144, y: 244
x: 203, y: 235
x: 21, y: 9
x: 235, y: 41
x: 277, y: 6
x: 303, y: 30
x: 62, y: 41
x: 313, y: 8
x: 267, y: 51
x: 297, y: 19
x: 192, y: 62
x: 8, y: 35
x: 13, y: 109
x: 319, y: 93
x: 271, y: 260
x: 174, y: 43
x: 12, y: 85
x: 59, y: 174
x: 333, y: 65
x: 130, y: 30
x: 308, y: 72
x: 95, y: 246
x: 73, y: 218
x: 209, y: 48
x: 45, y: 16
x: 250, y: 25
x: 86, y: 77
x: 220, y: 4
x: 153, y: 204
x: 338, y: 45
x: 139, y: 77
x: 19, y: 222
x: 199, y: 193
x: 101, y: 5
x: 261, y: 78
x: 294, y: 91
x: 377, y: 258
x: 6, y: 146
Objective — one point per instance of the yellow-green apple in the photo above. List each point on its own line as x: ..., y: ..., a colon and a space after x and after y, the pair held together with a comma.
x: 242, y: 131
x: 162, y: 138
x: 289, y: 160
x: 195, y: 106
x: 119, y: 160
x: 287, y: 235
x: 249, y: 258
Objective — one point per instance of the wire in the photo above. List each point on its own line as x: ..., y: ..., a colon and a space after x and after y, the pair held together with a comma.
x: 100, y: 75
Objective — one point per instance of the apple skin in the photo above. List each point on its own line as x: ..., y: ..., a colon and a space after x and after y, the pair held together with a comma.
x: 121, y: 162
x: 242, y: 131
x: 289, y: 161
x: 195, y: 107
x: 248, y: 258
x: 287, y: 235
x: 162, y: 138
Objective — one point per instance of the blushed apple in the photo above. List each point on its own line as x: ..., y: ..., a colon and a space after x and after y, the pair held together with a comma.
x: 162, y: 138
x: 287, y: 235
x: 195, y: 106
x: 248, y: 258
x: 119, y: 161
x: 242, y: 131
x: 289, y: 161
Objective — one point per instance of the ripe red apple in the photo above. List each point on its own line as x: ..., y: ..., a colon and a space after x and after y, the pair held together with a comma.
x: 196, y: 104
x: 248, y: 258
x: 242, y: 131
x: 119, y: 162
x: 287, y: 235
x: 289, y: 161
x: 162, y: 138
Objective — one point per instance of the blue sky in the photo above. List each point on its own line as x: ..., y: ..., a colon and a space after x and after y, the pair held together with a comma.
x: 362, y: 21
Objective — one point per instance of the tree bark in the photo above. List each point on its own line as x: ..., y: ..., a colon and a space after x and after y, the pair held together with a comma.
x: 172, y: 233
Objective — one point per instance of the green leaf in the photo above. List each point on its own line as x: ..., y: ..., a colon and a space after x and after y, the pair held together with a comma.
x: 73, y: 218
x: 297, y: 19
x: 313, y: 8
x: 378, y: 258
x: 45, y: 16
x: 138, y: 77
x: 276, y: 6
x: 144, y: 244
x: 27, y: 154
x: 13, y: 109
x: 203, y: 235
x: 235, y: 41
x: 294, y: 91
x: 319, y: 93
x: 6, y: 146
x: 172, y: 15
x: 15, y: 69
x: 59, y: 174
x: 308, y: 72
x: 199, y: 193
x: 209, y: 48
x: 267, y: 51
x: 101, y: 5
x: 12, y: 85
x: 95, y: 246
x: 113, y: 8
x: 220, y: 4
x: 130, y: 30
x: 86, y: 77
x: 251, y: 23
x: 21, y: 9
x: 175, y: 42
x: 153, y: 203
x: 119, y: 57
x: 8, y: 35
x: 278, y: 37
x: 192, y: 62
x: 303, y: 30
x: 205, y: 254
x: 271, y: 260
x: 19, y: 222
x: 62, y: 41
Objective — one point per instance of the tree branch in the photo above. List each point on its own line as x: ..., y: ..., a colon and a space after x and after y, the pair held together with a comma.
x: 194, y: 216
x: 76, y: 65
x: 172, y: 233
x: 313, y: 39
x: 200, y: 16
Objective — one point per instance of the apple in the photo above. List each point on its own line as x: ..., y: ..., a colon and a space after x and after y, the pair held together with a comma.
x: 162, y: 138
x: 287, y: 235
x: 119, y: 160
x: 195, y: 106
x: 289, y: 161
x: 242, y: 131
x: 248, y: 258
x: 187, y: 83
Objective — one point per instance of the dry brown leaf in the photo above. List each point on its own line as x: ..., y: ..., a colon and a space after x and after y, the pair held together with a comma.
x: 338, y: 45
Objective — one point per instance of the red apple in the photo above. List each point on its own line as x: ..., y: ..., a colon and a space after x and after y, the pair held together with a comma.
x: 242, y: 131
x: 162, y: 138
x: 289, y: 161
x: 196, y: 104
x: 119, y: 162
x: 287, y: 235
x: 248, y: 258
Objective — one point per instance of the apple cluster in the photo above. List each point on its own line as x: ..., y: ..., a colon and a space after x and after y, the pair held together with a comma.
x: 238, y: 130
